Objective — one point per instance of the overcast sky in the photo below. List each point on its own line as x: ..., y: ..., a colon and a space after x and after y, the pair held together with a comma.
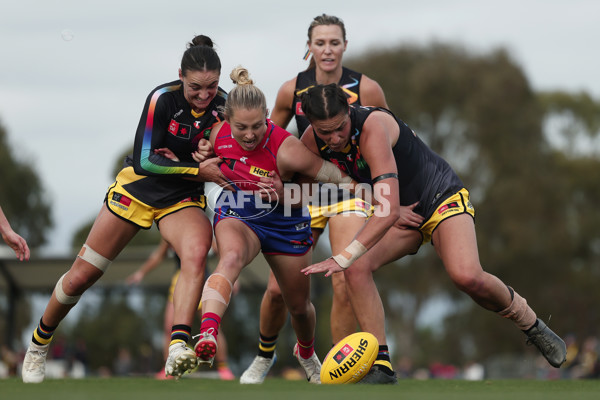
x: 74, y: 74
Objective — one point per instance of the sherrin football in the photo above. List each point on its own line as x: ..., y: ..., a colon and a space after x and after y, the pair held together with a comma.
x: 350, y: 359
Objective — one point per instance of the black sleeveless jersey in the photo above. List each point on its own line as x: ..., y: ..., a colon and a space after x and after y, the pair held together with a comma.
x: 168, y: 121
x: 350, y: 82
x: 423, y: 175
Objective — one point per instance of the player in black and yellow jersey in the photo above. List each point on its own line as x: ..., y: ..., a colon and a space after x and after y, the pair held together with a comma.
x: 373, y: 146
x: 153, y: 188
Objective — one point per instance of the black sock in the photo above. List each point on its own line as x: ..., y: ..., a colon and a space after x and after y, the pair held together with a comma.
x: 266, y: 346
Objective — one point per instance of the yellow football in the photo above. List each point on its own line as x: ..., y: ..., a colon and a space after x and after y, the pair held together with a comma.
x: 350, y: 359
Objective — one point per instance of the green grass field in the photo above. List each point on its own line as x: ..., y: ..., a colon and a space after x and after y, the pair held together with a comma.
x: 207, y: 389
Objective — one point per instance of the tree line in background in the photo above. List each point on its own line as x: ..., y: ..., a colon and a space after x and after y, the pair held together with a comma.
x: 530, y: 160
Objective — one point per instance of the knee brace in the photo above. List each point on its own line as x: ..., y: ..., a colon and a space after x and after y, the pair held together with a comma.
x: 61, y: 296
x: 88, y: 254
x: 218, y: 288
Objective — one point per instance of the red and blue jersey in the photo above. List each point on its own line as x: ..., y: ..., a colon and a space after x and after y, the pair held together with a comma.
x: 280, y: 230
x: 245, y: 168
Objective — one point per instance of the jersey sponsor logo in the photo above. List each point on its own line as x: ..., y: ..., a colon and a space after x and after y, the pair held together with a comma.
x: 447, y: 207
x: 121, y: 198
x: 225, y: 146
x: 243, y: 159
x: 258, y: 171
x: 197, y: 124
x: 299, y: 109
x: 173, y: 127
x: 178, y: 113
x: 179, y: 130
x: 231, y: 213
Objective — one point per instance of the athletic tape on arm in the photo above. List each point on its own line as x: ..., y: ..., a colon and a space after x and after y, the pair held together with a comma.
x: 218, y: 288
x: 355, y: 249
x: 88, y: 254
x: 61, y: 296
x: 330, y: 173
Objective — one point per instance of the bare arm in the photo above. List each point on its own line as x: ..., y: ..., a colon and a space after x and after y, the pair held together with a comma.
x: 282, y: 111
x: 379, y: 132
x: 371, y: 93
x: 294, y: 157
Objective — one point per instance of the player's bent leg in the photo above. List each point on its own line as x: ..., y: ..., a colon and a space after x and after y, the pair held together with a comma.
x: 487, y: 290
x: 365, y: 298
x: 342, y: 319
x: 273, y: 311
x: 106, y: 239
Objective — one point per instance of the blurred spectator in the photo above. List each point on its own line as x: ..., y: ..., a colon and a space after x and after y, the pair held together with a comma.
x: 473, y: 371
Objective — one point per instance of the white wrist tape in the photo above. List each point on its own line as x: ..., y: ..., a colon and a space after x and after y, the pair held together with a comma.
x: 330, y: 173
x: 354, y: 249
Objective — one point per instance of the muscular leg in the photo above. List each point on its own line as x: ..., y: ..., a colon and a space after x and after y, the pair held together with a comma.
x: 342, y: 229
x: 273, y: 312
x: 295, y: 288
x: 238, y: 245
x: 361, y: 287
x: 167, y: 325
x: 108, y: 236
x: 106, y: 239
x: 190, y: 234
x: 456, y: 244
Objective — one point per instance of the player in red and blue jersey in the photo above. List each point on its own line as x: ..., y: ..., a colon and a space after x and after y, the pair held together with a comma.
x: 339, y: 210
x: 153, y: 188
x: 252, y: 148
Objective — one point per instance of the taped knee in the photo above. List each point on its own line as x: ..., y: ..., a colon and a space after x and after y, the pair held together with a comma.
x: 519, y: 312
x: 88, y: 254
x: 61, y: 296
x: 218, y: 288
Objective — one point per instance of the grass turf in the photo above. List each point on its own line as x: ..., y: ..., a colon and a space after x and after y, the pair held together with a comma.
x: 150, y: 389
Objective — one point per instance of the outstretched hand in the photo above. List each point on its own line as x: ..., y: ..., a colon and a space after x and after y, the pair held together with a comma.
x: 329, y: 266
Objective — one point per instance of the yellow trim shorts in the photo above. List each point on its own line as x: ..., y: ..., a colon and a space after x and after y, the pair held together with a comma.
x: 319, y: 215
x: 456, y: 204
x: 124, y: 205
